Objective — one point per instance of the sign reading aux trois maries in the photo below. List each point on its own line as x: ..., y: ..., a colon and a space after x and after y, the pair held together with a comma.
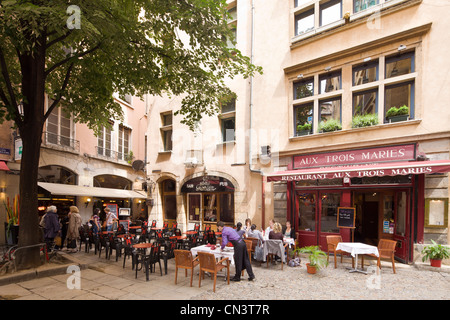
x: 354, y: 157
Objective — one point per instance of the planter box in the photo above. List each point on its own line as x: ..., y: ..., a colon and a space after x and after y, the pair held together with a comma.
x: 12, y: 237
x: 303, y: 133
x: 403, y: 117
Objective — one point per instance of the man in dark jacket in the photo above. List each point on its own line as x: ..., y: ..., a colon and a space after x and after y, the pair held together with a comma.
x: 52, y: 226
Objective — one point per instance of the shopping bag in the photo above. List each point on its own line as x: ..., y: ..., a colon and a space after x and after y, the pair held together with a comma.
x: 259, y: 253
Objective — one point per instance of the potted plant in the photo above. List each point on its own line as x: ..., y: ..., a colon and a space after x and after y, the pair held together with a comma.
x: 366, y: 120
x: 395, y: 114
x: 303, y: 130
x: 317, y: 258
x: 435, y: 253
x: 330, y: 125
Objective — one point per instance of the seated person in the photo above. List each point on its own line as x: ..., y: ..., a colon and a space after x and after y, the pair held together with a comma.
x: 253, y: 233
x: 276, y: 233
x: 288, y: 231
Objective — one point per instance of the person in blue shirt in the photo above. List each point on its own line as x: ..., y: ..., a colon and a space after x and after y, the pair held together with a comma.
x: 241, y: 258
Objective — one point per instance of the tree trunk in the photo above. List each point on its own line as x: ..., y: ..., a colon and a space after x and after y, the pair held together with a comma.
x: 33, y: 88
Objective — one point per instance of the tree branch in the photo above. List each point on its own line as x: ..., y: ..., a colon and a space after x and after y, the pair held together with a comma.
x: 63, y: 88
x: 13, y: 102
x: 77, y: 56
x: 59, y: 39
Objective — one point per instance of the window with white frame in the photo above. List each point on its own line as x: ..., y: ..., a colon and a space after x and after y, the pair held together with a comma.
x: 104, y: 142
x: 59, y: 127
x: 124, y: 143
x: 228, y: 121
x: 166, y: 131
x: 328, y: 11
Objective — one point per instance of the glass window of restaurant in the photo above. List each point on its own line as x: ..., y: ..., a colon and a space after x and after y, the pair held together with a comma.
x: 169, y: 199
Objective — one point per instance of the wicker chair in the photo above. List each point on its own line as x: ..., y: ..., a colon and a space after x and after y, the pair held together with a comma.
x: 184, y: 260
x: 386, y: 250
x: 209, y: 264
x: 332, y: 242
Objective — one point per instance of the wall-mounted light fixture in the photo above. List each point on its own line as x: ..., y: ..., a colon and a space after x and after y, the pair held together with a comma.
x: 2, y: 189
x: 88, y: 200
x: 328, y: 69
x: 300, y: 76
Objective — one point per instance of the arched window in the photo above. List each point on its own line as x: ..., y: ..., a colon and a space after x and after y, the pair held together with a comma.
x: 57, y: 174
x: 112, y: 181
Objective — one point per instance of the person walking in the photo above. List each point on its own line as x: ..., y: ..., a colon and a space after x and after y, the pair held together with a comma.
x: 73, y: 232
x: 51, y: 226
x: 110, y: 218
x: 241, y: 258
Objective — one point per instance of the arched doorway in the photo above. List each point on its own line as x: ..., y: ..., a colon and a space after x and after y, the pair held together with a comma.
x: 209, y: 199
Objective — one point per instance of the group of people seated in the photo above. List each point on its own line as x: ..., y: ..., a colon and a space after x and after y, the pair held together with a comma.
x: 274, y: 230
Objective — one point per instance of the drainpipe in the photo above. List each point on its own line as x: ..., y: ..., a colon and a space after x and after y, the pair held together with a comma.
x: 250, y: 162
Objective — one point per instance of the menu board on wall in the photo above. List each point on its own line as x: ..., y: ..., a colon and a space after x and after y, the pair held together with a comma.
x: 346, y: 217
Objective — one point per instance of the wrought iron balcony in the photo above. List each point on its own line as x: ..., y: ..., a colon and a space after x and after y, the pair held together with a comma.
x: 60, y: 142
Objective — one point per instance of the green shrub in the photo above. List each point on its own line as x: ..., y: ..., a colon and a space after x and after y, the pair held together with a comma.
x: 394, y: 111
x: 366, y: 120
x: 305, y: 127
x: 330, y: 125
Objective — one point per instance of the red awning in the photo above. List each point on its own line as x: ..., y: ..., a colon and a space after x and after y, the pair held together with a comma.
x: 3, y: 166
x: 360, y: 171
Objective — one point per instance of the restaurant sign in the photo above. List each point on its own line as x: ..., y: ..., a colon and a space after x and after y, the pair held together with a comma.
x: 354, y: 157
x: 207, y: 184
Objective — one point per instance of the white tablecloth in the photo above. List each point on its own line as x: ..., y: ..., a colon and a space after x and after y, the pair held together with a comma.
x: 355, y: 248
x: 228, y: 252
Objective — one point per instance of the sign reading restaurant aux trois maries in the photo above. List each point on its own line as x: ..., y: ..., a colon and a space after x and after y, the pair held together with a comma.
x: 315, y: 166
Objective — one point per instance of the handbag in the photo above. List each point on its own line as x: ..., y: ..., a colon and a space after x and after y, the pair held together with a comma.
x: 57, y: 241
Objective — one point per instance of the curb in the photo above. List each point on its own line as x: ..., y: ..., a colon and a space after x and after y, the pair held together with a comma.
x: 43, y: 271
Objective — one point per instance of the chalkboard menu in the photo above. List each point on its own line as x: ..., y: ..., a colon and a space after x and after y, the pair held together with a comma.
x: 346, y: 217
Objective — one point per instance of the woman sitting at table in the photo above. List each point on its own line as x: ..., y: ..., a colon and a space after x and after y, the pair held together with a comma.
x: 254, y: 233
x: 288, y: 231
x: 276, y: 233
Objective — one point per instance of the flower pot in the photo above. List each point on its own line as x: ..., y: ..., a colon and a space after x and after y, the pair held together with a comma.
x: 435, y: 263
x: 12, y: 235
x: 311, y: 269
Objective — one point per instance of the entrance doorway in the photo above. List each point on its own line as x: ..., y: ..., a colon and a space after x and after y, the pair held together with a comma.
x: 383, y: 214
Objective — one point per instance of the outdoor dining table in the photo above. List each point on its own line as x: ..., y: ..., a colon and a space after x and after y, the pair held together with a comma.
x: 227, y: 252
x: 355, y: 248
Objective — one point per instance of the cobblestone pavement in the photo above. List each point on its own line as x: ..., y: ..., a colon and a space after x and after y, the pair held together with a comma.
x: 103, y: 279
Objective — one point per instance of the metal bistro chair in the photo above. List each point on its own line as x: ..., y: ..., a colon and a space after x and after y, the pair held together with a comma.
x: 184, y: 260
x: 209, y: 264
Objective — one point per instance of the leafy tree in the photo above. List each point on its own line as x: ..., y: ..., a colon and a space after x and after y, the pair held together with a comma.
x: 81, y: 52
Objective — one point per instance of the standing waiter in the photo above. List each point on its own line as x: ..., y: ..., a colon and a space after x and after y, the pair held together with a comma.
x: 241, y: 258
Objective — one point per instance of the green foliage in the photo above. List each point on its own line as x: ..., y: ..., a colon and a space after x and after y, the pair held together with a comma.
x: 435, y: 251
x: 365, y: 120
x: 394, y: 111
x: 304, y: 127
x: 317, y: 257
x: 123, y: 46
x: 330, y: 125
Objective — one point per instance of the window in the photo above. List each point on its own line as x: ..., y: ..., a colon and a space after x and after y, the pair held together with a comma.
x: 124, y: 142
x: 330, y: 11
x: 359, y: 5
x: 228, y: 121
x: 104, y: 142
x: 399, y: 65
x: 59, y: 127
x: 365, y: 73
x: 227, y: 207
x: 169, y: 199
x: 399, y: 95
x: 365, y: 102
x: 232, y: 24
x: 330, y: 82
x: 330, y: 109
x: 304, y: 88
x: 300, y: 2
x: 166, y: 131
x: 303, y: 115
x: 304, y: 22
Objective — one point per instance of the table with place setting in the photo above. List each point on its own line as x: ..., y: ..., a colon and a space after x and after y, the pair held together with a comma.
x: 227, y: 252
